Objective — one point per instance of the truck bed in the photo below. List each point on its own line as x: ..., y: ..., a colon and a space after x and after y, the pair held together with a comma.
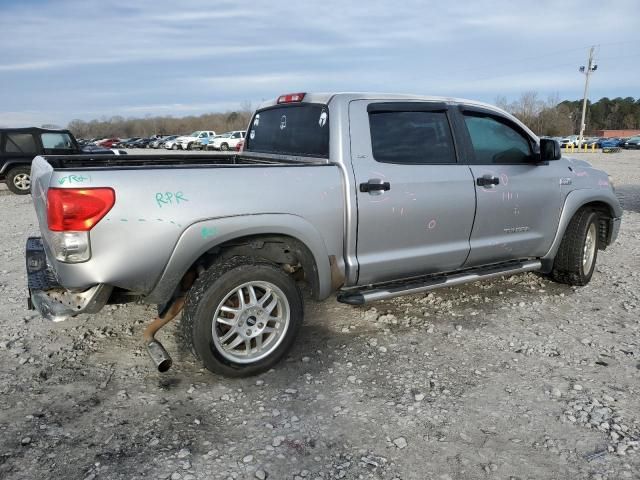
x: 100, y: 162
x: 161, y: 201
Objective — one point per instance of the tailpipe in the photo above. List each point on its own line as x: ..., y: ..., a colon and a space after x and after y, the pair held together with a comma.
x: 157, y: 352
x: 159, y: 356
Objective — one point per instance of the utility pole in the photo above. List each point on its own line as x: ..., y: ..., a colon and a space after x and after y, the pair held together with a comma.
x: 591, y: 67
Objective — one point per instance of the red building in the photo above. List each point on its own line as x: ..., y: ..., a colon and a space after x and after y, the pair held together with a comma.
x: 616, y: 133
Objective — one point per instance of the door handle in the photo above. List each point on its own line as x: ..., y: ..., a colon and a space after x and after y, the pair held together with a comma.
x: 487, y: 180
x: 374, y: 185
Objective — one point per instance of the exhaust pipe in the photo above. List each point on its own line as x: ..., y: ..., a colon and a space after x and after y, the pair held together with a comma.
x: 159, y: 356
x: 157, y: 352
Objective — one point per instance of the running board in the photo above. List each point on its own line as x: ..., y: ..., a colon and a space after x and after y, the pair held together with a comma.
x: 360, y: 297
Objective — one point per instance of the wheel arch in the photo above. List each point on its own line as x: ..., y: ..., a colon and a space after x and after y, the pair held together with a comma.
x: 279, y: 238
x: 603, y: 202
x: 11, y: 164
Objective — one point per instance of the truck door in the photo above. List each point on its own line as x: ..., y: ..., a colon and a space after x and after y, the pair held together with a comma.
x: 415, y: 202
x: 518, y: 200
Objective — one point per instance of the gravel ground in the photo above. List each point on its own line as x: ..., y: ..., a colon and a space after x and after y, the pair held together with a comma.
x: 516, y: 378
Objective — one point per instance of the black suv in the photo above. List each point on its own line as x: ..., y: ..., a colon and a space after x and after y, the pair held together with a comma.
x: 18, y: 147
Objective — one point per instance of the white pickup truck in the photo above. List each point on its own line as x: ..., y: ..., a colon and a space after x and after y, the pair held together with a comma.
x: 366, y: 196
x: 226, y: 141
x: 200, y: 137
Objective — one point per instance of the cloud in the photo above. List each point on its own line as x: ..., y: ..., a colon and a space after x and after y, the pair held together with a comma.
x: 74, y: 58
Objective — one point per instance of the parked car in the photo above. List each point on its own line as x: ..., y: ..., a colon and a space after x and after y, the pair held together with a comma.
x: 609, y: 142
x: 171, y: 144
x: 108, y: 142
x: 632, y: 143
x: 158, y: 141
x: 570, y: 141
x: 367, y: 196
x: 139, y: 143
x: 187, y: 142
x: 18, y: 147
x: 226, y: 141
x: 144, y: 142
x: 128, y: 142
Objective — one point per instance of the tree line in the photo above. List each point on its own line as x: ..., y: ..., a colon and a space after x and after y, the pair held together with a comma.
x: 558, y: 118
x: 121, y: 127
x: 545, y: 117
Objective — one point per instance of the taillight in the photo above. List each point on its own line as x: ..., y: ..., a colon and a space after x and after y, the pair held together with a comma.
x: 291, y: 97
x: 77, y: 209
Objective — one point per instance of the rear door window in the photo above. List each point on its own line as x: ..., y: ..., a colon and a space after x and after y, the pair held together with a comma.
x: 20, y: 143
x: 299, y: 130
x: 418, y: 137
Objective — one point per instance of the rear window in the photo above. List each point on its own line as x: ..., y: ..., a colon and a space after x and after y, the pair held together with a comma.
x: 20, y: 143
x: 301, y: 129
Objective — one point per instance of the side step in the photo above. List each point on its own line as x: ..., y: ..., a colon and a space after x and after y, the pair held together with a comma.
x: 360, y: 297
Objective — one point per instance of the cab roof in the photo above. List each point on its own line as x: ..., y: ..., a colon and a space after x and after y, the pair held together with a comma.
x: 346, y: 97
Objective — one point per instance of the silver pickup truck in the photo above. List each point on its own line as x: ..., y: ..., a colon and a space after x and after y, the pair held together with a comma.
x: 367, y: 196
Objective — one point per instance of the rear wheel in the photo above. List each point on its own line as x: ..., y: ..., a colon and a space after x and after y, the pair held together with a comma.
x: 576, y: 257
x: 242, y: 316
x: 19, y: 180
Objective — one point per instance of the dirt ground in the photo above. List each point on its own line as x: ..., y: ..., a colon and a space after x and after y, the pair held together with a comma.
x: 518, y: 378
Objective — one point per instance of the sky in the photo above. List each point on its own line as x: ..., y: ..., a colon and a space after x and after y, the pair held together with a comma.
x: 85, y: 59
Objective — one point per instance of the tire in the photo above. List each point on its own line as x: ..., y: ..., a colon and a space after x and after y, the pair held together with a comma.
x: 215, y: 344
x: 19, y: 180
x: 174, y: 146
x: 576, y: 257
x: 189, y: 146
x: 224, y: 147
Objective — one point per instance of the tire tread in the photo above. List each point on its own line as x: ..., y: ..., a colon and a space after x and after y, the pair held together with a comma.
x: 567, y: 265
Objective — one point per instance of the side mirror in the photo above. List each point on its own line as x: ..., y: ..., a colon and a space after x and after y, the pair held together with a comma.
x: 549, y: 150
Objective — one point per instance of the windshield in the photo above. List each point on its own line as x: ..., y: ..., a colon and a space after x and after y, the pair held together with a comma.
x: 294, y: 129
x: 194, y: 134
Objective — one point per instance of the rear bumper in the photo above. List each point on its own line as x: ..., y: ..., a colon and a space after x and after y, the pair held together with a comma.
x: 48, y: 297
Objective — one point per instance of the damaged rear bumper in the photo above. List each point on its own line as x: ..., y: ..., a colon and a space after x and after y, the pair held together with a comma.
x: 49, y: 298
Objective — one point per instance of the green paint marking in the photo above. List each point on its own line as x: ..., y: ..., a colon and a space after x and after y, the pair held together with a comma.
x: 207, y: 232
x: 74, y: 179
x: 165, y: 199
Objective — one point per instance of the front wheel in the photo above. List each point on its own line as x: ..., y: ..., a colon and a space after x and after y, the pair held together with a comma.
x: 242, y: 316
x: 576, y: 257
x: 174, y: 146
x: 224, y: 147
x: 19, y: 180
